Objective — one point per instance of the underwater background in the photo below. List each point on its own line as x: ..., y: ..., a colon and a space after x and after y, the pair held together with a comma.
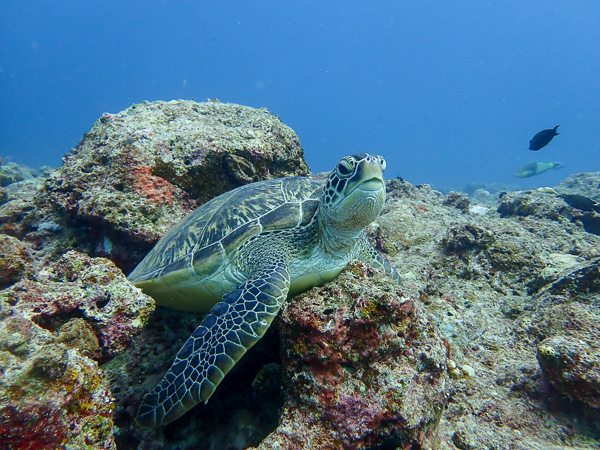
x: 449, y: 92
x: 147, y: 111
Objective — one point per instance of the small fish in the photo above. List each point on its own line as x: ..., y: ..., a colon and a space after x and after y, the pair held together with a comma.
x: 581, y: 202
x: 542, y: 138
x: 535, y: 168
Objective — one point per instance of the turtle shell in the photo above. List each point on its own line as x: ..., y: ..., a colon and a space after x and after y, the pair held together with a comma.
x: 199, y: 245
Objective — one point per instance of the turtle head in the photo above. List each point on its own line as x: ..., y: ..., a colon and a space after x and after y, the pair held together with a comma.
x: 355, y: 192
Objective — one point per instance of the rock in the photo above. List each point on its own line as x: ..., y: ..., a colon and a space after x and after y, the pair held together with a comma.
x: 363, y: 367
x: 91, y: 288
x: 462, y: 237
x: 13, y: 216
x: 589, y: 221
x: 138, y: 172
x: 12, y: 173
x: 15, y: 262
x: 566, y: 324
x: 543, y: 203
x: 457, y: 200
x: 18, y: 207
x: 579, y: 282
x: 485, y: 197
x: 586, y: 183
x: 572, y: 367
x: 486, y: 191
x: 77, y: 333
x: 50, y: 396
x: 57, y: 321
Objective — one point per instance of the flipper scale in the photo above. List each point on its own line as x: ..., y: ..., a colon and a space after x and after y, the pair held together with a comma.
x: 216, y: 346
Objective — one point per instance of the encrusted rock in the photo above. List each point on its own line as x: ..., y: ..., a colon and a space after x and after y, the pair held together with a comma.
x: 364, y: 367
x: 586, y: 183
x: 462, y: 237
x: 15, y: 260
x: 457, y: 200
x: 572, y: 367
x: 543, y: 202
x: 138, y: 172
x: 580, y: 282
x: 12, y: 217
x: 56, y: 323
x: 566, y: 324
x: 77, y: 333
x: 3, y: 196
x: 50, y: 396
x: 12, y: 172
x: 91, y: 288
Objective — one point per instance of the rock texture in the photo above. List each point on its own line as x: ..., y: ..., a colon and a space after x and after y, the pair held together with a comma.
x: 77, y: 286
x: 491, y: 343
x: 57, y: 322
x: 514, y: 292
x: 138, y: 172
x: 364, y: 368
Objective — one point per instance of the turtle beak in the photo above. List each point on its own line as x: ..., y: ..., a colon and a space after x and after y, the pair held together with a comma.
x: 368, y: 176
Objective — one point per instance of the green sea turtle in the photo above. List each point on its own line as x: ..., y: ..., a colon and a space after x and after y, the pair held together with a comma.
x: 242, y: 254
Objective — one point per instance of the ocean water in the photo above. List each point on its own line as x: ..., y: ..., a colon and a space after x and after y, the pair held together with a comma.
x: 448, y: 92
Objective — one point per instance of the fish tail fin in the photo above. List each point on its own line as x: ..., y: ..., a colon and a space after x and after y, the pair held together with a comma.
x: 554, y: 129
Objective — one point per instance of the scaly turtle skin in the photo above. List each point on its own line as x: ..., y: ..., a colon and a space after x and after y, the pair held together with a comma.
x: 242, y: 254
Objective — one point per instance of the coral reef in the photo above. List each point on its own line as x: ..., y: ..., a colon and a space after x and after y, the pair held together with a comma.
x: 538, y: 203
x: 58, y: 320
x: 12, y: 172
x: 505, y: 287
x: 457, y: 200
x: 15, y: 261
x: 79, y: 286
x: 585, y: 183
x: 572, y: 367
x: 51, y: 396
x: 363, y: 368
x: 492, y: 342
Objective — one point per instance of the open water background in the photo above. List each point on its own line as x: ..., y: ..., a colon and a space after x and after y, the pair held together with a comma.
x: 448, y: 92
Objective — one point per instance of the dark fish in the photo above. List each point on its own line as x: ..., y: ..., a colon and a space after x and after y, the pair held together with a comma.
x: 542, y: 138
x: 581, y: 202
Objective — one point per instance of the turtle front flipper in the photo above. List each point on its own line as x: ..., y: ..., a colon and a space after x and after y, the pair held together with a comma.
x: 233, y: 325
x: 367, y: 253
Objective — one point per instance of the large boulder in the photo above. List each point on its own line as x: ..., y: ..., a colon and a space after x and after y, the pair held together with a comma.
x: 138, y: 172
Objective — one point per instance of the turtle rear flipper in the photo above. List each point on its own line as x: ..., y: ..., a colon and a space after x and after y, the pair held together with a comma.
x: 233, y: 325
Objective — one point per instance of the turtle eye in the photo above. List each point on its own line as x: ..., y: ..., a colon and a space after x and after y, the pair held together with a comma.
x: 344, y: 168
x: 382, y: 163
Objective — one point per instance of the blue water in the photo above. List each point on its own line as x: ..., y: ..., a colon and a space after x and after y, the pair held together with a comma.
x: 448, y: 92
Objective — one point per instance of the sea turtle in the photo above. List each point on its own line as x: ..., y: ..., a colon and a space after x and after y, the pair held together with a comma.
x: 242, y: 254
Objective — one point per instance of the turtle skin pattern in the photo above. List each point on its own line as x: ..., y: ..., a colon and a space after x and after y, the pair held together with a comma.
x: 233, y: 325
x: 318, y: 246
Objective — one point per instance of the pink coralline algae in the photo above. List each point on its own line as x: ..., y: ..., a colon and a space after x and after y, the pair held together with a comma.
x: 51, y: 396
x: 58, y: 320
x: 364, y: 367
x: 156, y: 189
x: 91, y: 288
